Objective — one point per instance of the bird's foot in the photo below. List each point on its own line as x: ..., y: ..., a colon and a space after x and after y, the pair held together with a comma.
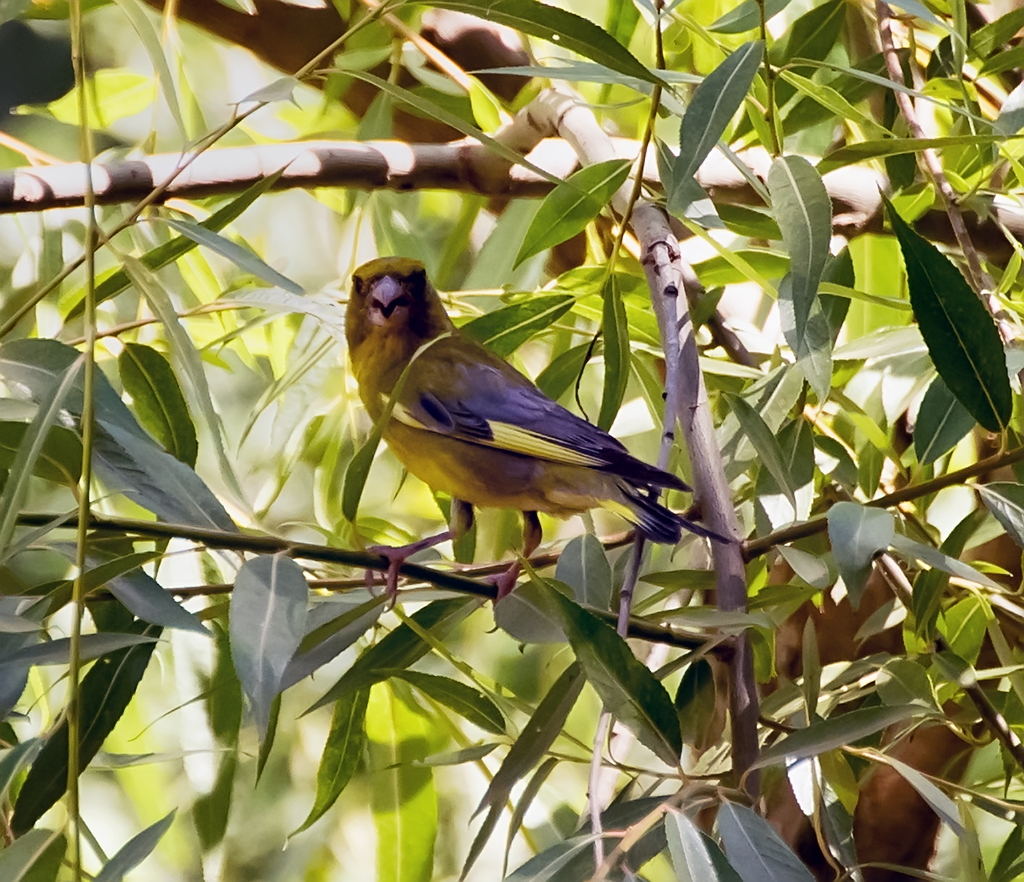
x: 396, y: 556
x: 506, y: 582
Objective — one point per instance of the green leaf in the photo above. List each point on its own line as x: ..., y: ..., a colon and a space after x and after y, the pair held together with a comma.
x: 564, y: 369
x: 504, y: 330
x: 59, y: 460
x: 960, y: 333
x: 243, y: 258
x: 941, y: 804
x: 536, y: 736
x: 695, y: 856
x: 803, y: 211
x: 568, y: 30
x: 857, y: 534
x: 268, y: 619
x: 627, y: 688
x: 875, y: 148
x: 755, y: 849
x: 402, y: 792
x: 399, y: 649
x: 583, y: 566
x: 825, y: 735
x: 695, y: 703
x: 714, y: 103
x: 964, y: 626
x: 211, y: 811
x: 34, y: 857
x: 1006, y: 502
x: 342, y: 753
x: 769, y: 453
x: 937, y: 560
x: 148, y: 600
x: 15, y: 759
x: 942, y: 421
x: 135, y: 851
x: 148, y: 378
x: 104, y: 694
x: 466, y: 701
x: 615, y: 331
x: 747, y: 16
x: 329, y: 640
x: 573, y: 204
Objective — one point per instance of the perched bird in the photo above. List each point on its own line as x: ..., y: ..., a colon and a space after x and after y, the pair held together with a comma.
x: 469, y: 424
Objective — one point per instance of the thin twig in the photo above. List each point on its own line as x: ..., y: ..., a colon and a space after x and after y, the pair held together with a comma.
x: 996, y: 723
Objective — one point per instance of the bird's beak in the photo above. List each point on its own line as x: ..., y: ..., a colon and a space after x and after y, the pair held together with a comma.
x: 388, y: 299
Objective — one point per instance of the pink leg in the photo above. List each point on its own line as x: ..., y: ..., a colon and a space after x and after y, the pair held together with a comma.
x: 532, y: 535
x: 398, y: 556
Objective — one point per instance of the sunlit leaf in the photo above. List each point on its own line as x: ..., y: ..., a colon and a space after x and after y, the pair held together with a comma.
x: 504, y: 330
x: 615, y: 333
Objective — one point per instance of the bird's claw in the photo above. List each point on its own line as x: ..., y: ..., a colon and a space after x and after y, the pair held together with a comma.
x: 395, y: 558
x: 505, y: 582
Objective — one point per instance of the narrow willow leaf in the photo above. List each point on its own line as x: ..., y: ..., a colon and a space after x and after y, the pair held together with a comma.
x: 941, y: 804
x: 154, y: 479
x: 568, y: 30
x: 747, y: 16
x: 573, y: 204
x: 564, y: 369
x: 14, y: 760
x: 243, y: 258
x: 583, y: 566
x: 342, y: 753
x: 1006, y: 502
x: 399, y: 649
x: 135, y: 851
x: 847, y: 728
x: 148, y: 600
x: 116, y: 281
x: 714, y: 103
x: 961, y: 335
x: 330, y: 639
x: 16, y: 488
x: 466, y: 701
x: 857, y: 534
x: 803, y: 211
x: 536, y: 737
x: 627, y: 688
x: 105, y: 692
x: 268, y: 616
x: 695, y: 857
x: 769, y: 453
x: 402, y: 795
x: 59, y: 460
x: 148, y: 378
x: 615, y: 332
x: 529, y: 794
x: 34, y: 857
x: 504, y: 330
x: 881, y: 147
x: 755, y: 849
x: 937, y: 560
x: 211, y: 811
x: 695, y: 704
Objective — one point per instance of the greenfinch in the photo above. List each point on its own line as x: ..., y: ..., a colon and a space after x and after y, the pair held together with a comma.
x: 469, y: 424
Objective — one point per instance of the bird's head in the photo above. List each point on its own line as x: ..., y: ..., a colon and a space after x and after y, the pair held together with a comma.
x: 392, y: 295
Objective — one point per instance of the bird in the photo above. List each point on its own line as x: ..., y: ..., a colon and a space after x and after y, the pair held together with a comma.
x: 469, y: 424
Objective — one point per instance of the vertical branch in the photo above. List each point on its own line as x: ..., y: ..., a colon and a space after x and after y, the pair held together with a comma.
x: 74, y: 717
x: 666, y: 275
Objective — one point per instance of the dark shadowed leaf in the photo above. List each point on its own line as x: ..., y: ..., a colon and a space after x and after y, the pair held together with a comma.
x: 135, y: 851
x: 15, y: 759
x: 466, y: 701
x: 941, y: 422
x: 268, y: 617
x: 564, y: 369
x: 60, y: 459
x: 754, y: 848
x: 342, y: 752
x: 769, y: 453
x: 627, y: 688
x: 583, y: 566
x: 960, y: 333
x: 148, y: 378
x: 572, y: 205
x: 105, y: 692
x: 504, y: 330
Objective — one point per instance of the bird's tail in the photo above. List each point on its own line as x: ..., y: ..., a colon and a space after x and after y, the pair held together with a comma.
x: 658, y: 523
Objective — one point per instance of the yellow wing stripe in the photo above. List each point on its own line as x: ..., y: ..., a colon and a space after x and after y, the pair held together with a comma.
x: 516, y: 439
x: 519, y: 440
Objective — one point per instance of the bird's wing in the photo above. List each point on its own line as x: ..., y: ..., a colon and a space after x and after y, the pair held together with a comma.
x: 466, y: 392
